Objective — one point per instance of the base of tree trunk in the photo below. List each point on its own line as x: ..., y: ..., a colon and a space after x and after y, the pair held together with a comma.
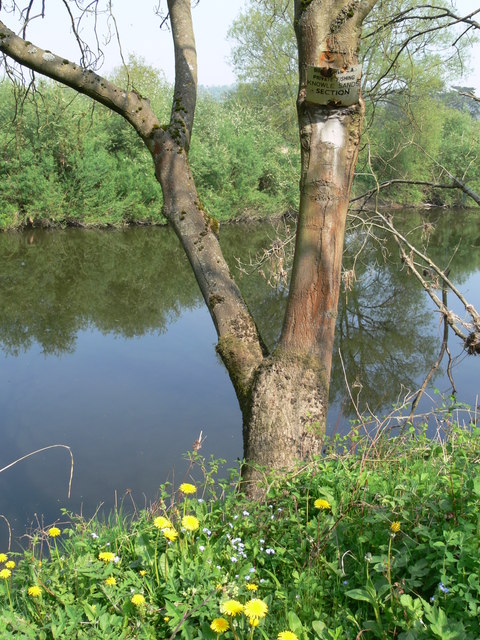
x: 286, y: 417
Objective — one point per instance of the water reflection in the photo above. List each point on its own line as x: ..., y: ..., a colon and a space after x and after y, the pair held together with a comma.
x: 106, y: 346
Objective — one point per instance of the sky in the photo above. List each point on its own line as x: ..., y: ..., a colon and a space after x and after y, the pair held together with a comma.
x: 140, y: 34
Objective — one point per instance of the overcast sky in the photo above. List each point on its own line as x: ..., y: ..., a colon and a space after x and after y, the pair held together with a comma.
x: 140, y: 34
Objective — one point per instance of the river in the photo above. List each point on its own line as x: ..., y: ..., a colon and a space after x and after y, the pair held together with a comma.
x: 106, y: 347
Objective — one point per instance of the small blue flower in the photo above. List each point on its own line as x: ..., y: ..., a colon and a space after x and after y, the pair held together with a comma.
x: 345, y: 582
x: 443, y: 588
x: 432, y: 599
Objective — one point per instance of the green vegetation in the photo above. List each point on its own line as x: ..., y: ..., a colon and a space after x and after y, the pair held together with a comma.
x: 64, y: 161
x: 380, y: 536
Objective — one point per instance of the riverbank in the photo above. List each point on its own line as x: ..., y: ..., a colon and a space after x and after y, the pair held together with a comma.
x: 380, y: 535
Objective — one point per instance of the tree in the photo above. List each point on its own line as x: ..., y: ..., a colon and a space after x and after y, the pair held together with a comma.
x: 283, y: 394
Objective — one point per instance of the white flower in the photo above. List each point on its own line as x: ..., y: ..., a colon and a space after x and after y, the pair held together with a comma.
x: 262, y: 541
x: 201, y: 547
x: 235, y: 517
x: 94, y: 535
x: 245, y: 513
x: 252, y: 569
x: 270, y: 551
x: 233, y: 559
x: 200, y: 500
x: 116, y: 559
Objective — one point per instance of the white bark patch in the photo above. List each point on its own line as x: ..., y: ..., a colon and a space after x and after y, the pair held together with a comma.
x: 48, y: 57
x: 331, y: 133
x: 32, y: 50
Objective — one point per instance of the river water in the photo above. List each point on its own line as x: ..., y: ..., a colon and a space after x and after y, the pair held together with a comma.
x: 106, y: 346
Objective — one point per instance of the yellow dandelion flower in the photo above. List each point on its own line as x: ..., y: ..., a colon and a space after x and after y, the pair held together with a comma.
x: 94, y: 607
x: 54, y: 532
x: 3, y: 557
x: 231, y: 607
x: 219, y: 625
x: 286, y: 635
x: 106, y: 556
x: 10, y: 564
x: 5, y: 574
x: 138, y: 600
x: 162, y: 523
x: 190, y: 523
x: 187, y: 488
x: 166, y: 618
x: 219, y: 587
x: 35, y: 591
x: 251, y: 586
x: 170, y: 534
x: 142, y: 572
x: 255, y: 608
x: 253, y: 622
x: 320, y: 503
x: 395, y: 527
x: 111, y: 581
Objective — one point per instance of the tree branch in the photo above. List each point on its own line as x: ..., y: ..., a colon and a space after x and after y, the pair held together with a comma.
x: 135, y: 109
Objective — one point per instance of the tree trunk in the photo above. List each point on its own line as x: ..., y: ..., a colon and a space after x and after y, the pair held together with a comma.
x: 287, y: 416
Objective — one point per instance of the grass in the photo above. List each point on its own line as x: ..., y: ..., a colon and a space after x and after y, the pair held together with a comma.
x: 377, y: 539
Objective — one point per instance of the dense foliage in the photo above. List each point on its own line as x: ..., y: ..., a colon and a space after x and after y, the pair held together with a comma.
x: 380, y: 535
x: 65, y: 161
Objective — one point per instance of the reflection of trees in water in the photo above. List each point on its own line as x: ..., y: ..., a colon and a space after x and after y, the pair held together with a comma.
x: 56, y: 283
x: 53, y: 284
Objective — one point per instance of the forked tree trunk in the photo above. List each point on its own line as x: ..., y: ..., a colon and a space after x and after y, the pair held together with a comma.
x: 283, y: 395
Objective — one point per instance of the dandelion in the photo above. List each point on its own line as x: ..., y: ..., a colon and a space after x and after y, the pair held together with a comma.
x: 106, y: 556
x: 35, y: 591
x: 162, y: 523
x: 10, y: 564
x: 395, y: 527
x: 3, y: 557
x: 190, y: 523
x: 251, y: 586
x: 187, y: 488
x: 5, y: 574
x: 286, y: 635
x: 111, y: 581
x: 54, y: 532
x: 166, y: 618
x: 255, y: 608
x: 231, y: 607
x: 219, y: 625
x: 320, y: 503
x: 253, y: 622
x: 138, y: 600
x: 142, y: 572
x: 170, y: 534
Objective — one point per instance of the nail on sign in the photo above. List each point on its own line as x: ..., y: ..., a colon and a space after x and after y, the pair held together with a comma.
x: 341, y: 88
